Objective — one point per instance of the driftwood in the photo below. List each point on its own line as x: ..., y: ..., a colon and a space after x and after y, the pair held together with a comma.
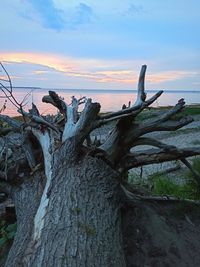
x: 64, y: 184
x: 126, y: 134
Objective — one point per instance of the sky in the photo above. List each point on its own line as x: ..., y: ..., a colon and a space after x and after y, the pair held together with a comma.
x: 92, y: 44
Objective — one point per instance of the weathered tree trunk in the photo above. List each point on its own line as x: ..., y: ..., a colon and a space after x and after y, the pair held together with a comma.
x: 68, y: 192
x: 82, y: 222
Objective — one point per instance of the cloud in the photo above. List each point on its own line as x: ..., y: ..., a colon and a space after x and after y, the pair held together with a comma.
x: 168, y: 76
x: 53, y: 69
x: 40, y: 72
x: 134, y: 9
x: 54, y: 62
x: 82, y: 14
x: 50, y: 16
x: 53, y: 17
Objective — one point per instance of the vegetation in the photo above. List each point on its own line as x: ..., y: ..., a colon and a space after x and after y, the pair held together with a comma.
x: 192, y: 110
x: 7, y: 232
x: 189, y: 110
x: 162, y: 185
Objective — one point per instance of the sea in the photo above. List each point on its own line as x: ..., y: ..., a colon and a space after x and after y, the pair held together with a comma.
x: 110, y: 100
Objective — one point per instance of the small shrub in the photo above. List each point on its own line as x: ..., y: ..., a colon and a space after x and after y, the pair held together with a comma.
x: 7, y: 232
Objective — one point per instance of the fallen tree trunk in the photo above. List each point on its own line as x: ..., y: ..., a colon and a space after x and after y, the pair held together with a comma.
x: 67, y: 192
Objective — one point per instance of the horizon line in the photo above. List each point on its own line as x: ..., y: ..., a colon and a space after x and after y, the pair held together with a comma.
x: 103, y: 90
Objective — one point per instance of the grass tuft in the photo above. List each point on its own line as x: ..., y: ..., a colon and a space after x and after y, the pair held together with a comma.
x: 163, y: 186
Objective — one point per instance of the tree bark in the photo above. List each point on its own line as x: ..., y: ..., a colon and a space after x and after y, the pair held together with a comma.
x: 82, y: 222
x: 68, y: 192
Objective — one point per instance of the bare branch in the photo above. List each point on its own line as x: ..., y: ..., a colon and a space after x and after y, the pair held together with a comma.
x: 152, y: 142
x: 194, y: 172
x: 127, y: 131
x: 163, y: 126
x: 167, y: 149
x: 56, y: 101
x: 8, y: 90
x: 85, y: 124
x: 34, y: 111
x: 37, y: 119
x: 139, y: 105
x: 141, y: 96
x: 42, y: 121
x: 127, y: 113
x: 151, y: 156
x: 176, y: 109
x: 138, y: 130
x: 152, y: 99
x: 8, y: 76
x: 140, y: 101
x: 88, y: 117
x: 3, y: 106
x: 11, y: 122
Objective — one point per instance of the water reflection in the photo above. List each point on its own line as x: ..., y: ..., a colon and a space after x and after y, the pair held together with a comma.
x: 110, y: 101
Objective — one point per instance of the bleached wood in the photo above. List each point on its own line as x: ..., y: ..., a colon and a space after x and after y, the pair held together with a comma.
x: 72, y: 116
x: 141, y: 95
x: 82, y: 126
x: 45, y: 142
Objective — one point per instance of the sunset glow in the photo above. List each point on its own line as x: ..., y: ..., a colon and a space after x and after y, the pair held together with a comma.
x: 91, y: 44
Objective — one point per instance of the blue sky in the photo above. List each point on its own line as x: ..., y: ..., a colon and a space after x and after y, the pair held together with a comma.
x: 101, y: 44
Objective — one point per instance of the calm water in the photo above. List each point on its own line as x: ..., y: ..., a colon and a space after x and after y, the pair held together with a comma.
x: 110, y: 100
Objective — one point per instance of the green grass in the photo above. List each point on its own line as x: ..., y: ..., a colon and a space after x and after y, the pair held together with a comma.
x: 163, y: 186
x: 191, y: 110
x: 189, y: 190
x: 188, y: 110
